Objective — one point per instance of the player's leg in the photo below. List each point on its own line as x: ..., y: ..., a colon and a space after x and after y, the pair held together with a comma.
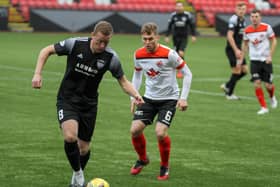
x: 143, y: 116
x: 260, y: 96
x: 138, y: 141
x: 164, y: 145
x: 267, y: 78
x: 165, y: 115
x: 138, y: 138
x: 70, y: 135
x: 237, y: 72
x: 86, y: 130
x: 84, y: 147
x: 256, y: 73
x: 271, y: 89
x: 87, y: 119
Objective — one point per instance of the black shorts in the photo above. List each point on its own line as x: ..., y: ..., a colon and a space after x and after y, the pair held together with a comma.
x: 165, y: 109
x: 260, y: 70
x: 85, y: 118
x: 180, y: 43
x: 232, y: 58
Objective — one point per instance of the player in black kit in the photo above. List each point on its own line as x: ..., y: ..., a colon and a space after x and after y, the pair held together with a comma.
x: 180, y: 24
x: 87, y: 61
x: 239, y: 68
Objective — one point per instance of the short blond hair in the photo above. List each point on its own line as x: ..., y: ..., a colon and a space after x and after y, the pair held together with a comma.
x: 104, y: 27
x: 149, y: 28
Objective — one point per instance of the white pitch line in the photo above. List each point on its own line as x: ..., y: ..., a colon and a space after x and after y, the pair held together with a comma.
x: 201, y: 92
x: 212, y: 79
x: 216, y: 79
x: 14, y: 68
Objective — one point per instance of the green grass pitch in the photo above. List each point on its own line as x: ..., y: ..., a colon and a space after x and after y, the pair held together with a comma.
x: 216, y: 143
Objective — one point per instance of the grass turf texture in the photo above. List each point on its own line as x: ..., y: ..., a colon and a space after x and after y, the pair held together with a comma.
x: 216, y: 143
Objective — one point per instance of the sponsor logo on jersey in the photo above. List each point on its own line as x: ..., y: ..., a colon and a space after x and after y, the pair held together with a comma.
x: 85, y: 69
x: 152, y: 73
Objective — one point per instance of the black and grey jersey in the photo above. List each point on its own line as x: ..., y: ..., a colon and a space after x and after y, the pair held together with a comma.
x: 181, y: 24
x: 84, y: 70
x: 237, y: 25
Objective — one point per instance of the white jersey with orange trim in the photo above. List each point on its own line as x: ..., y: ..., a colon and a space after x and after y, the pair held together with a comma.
x: 159, y: 69
x: 259, y: 45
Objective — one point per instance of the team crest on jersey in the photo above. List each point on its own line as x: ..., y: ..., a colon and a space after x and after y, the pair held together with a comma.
x: 80, y: 56
x: 159, y: 63
x: 62, y: 43
x: 256, y: 42
x: 100, y: 63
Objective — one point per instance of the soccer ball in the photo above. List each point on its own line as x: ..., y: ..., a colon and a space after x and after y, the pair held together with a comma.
x: 98, y: 182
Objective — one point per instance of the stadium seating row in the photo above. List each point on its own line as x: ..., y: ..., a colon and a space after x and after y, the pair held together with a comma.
x: 121, y: 5
x: 211, y: 7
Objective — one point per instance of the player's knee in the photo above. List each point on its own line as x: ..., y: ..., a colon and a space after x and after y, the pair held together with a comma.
x: 137, y: 128
x: 70, y: 137
x: 268, y: 86
x: 84, y: 150
x: 84, y: 147
x: 160, y: 134
x: 257, y: 84
x: 135, y: 132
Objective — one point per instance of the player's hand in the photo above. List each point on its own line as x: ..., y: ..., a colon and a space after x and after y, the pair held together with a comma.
x: 193, y: 39
x: 182, y: 104
x: 166, y: 39
x: 137, y: 100
x: 37, y: 81
x: 269, y: 60
x: 238, y: 54
x: 132, y: 106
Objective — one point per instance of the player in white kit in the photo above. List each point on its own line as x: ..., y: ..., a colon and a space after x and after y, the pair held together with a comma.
x: 261, y: 40
x: 162, y: 95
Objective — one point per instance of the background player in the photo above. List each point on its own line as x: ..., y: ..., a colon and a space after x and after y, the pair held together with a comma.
x: 159, y: 64
x: 257, y: 37
x: 180, y: 24
x: 239, y: 68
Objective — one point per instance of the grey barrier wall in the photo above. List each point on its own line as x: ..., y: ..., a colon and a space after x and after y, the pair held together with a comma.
x: 84, y: 21
x: 3, y: 18
x: 222, y: 23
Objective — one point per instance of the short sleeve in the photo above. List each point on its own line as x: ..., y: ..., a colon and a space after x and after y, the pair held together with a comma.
x: 177, y: 61
x: 116, y: 68
x: 64, y: 47
x: 232, y: 22
x: 270, y: 32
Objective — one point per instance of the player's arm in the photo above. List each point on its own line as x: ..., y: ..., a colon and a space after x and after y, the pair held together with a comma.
x: 136, y: 82
x: 244, y: 48
x: 233, y: 45
x: 169, y: 28
x: 117, y: 72
x: 273, y: 45
x: 130, y: 90
x: 41, y: 61
x: 193, y: 27
x: 182, y: 103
